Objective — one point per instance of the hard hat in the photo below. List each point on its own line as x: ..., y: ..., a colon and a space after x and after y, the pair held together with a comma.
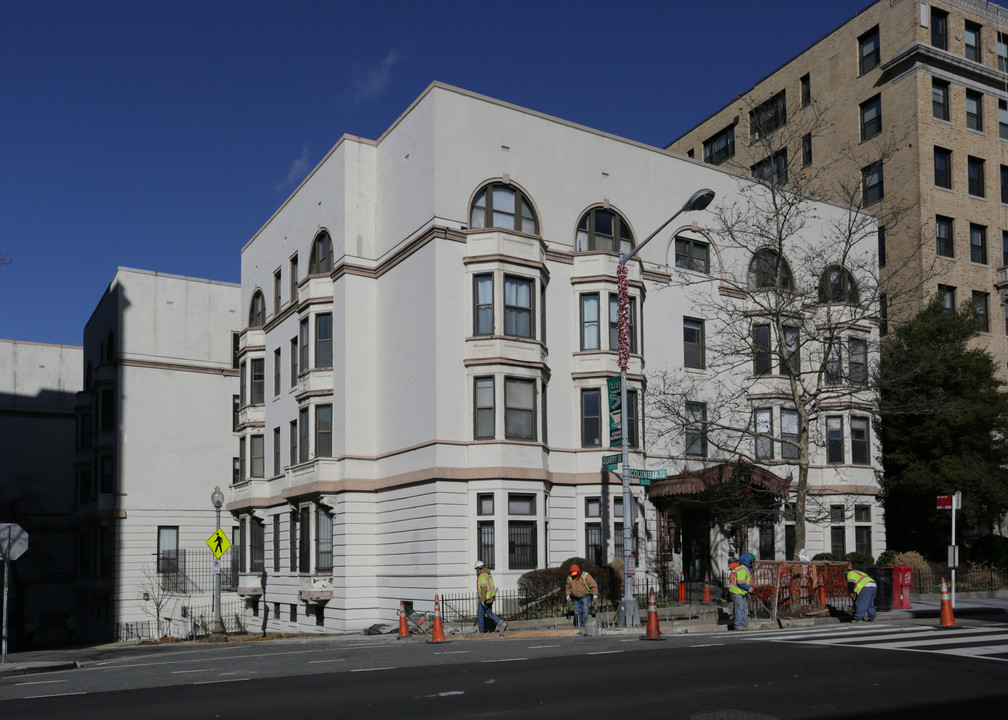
x: 478, y: 565
x: 575, y: 570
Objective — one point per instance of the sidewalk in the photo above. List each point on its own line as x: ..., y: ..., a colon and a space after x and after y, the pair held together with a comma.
x: 694, y: 618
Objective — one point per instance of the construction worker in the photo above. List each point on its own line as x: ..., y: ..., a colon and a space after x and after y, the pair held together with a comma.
x: 862, y: 590
x: 582, y: 587
x: 485, y: 593
x: 738, y: 587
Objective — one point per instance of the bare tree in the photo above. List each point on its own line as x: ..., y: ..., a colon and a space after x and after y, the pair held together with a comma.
x: 790, y: 299
x: 157, y: 595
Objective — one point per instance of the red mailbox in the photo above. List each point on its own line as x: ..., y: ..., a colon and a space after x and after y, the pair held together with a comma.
x: 902, y: 582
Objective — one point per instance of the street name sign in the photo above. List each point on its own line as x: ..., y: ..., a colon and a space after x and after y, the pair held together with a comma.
x: 609, y: 462
x: 646, y: 476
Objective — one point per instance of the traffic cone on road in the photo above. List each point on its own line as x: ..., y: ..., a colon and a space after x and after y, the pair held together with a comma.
x: 682, y: 587
x: 437, y: 634
x: 403, y: 626
x: 947, y: 619
x: 652, y: 633
x: 706, y: 589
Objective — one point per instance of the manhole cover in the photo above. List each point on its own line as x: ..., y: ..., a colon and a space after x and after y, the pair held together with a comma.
x: 732, y: 715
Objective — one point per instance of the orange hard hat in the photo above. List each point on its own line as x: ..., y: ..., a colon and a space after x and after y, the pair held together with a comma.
x: 575, y: 570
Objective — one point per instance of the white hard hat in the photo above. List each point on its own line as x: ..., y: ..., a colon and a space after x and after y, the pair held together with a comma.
x: 478, y: 565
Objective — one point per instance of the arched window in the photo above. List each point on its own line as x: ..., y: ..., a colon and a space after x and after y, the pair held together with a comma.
x: 257, y: 310
x: 837, y: 285
x: 603, y: 230
x: 769, y: 269
x: 503, y: 206
x: 320, y: 262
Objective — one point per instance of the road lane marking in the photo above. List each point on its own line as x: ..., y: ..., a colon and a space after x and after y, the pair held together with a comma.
x: 504, y: 660
x: 40, y: 682
x: 390, y: 667
x: 539, y: 647
x: 36, y: 697
x: 707, y: 645
x: 113, y: 665
x: 316, y: 662
x: 605, y: 652
x: 214, y: 682
x: 183, y: 672
x: 452, y: 652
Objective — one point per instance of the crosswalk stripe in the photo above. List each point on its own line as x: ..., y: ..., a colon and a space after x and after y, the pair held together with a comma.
x: 956, y: 639
x: 984, y: 652
x: 972, y: 641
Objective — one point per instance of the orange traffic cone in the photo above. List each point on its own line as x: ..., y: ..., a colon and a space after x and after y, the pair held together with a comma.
x: 403, y: 626
x: 682, y: 587
x: 653, y: 633
x: 947, y: 620
x: 706, y: 589
x: 437, y: 634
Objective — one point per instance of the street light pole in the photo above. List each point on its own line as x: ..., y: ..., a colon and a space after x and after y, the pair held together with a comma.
x: 218, y: 633
x: 629, y: 611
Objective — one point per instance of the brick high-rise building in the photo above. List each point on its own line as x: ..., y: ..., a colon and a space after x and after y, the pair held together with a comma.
x: 908, y: 103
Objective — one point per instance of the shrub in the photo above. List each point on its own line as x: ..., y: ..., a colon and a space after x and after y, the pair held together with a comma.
x: 990, y: 550
x: 859, y: 560
x: 823, y: 556
x: 538, y: 584
x: 885, y: 559
x: 914, y: 560
x: 541, y: 583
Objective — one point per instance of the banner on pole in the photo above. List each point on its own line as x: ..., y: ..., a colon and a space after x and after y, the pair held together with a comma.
x: 615, y: 412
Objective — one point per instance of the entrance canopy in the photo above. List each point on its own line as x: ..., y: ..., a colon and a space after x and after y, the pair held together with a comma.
x: 695, y: 482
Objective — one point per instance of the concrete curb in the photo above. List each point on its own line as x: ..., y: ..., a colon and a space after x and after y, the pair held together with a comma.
x: 33, y: 668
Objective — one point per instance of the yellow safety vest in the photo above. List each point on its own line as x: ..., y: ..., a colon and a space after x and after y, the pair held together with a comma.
x: 739, y: 574
x: 486, y: 580
x: 859, y: 579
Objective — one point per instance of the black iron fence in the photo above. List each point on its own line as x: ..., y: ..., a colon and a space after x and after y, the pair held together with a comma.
x: 190, y: 572
x: 973, y: 580
x: 514, y: 605
x: 193, y: 622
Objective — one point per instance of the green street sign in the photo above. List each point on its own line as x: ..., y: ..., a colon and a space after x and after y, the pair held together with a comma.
x: 609, y: 462
x: 646, y: 476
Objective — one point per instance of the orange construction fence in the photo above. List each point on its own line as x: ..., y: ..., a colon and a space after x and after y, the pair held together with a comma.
x: 792, y: 588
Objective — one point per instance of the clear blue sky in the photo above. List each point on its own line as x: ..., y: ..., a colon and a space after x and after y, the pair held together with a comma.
x: 161, y: 135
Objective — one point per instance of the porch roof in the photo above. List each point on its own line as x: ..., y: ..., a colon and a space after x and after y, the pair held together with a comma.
x: 694, y: 482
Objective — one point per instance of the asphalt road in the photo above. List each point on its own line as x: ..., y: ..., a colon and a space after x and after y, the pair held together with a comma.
x: 876, y: 671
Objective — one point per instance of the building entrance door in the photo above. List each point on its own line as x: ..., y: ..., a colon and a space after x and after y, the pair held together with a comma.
x: 696, y: 526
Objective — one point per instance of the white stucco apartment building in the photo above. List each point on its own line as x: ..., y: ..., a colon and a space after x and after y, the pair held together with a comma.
x: 428, y: 331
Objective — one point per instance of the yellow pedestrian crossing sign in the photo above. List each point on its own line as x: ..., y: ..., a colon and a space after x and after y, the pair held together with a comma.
x: 218, y: 543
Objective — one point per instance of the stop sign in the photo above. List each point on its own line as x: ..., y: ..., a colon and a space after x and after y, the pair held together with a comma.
x: 13, y: 541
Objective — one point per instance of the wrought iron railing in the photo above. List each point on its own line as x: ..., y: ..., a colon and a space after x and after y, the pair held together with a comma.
x: 191, y: 572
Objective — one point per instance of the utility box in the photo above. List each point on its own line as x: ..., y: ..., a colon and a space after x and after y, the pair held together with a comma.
x: 902, y: 582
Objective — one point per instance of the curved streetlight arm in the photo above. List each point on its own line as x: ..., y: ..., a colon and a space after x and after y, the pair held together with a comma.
x: 698, y: 201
